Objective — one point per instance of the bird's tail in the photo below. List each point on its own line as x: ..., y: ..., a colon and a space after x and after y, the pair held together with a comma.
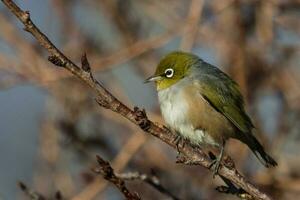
x: 259, y: 151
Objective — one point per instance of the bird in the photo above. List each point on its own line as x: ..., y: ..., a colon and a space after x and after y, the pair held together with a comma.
x: 203, y: 105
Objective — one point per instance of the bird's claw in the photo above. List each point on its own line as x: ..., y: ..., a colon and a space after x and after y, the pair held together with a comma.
x: 177, y: 142
x: 215, y: 166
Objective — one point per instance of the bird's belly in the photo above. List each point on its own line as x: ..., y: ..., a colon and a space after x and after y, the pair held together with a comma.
x: 175, y: 113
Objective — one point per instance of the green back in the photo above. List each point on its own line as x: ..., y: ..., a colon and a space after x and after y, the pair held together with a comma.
x: 223, y: 94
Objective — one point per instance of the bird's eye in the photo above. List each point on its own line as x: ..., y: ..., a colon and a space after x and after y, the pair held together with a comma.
x: 169, y: 73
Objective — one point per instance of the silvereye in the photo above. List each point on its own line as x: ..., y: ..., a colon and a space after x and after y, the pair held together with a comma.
x: 204, y: 105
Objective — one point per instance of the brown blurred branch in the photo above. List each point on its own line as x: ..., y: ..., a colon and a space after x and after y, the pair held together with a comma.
x: 136, y: 116
x: 136, y: 49
x: 191, y: 27
x: 108, y: 173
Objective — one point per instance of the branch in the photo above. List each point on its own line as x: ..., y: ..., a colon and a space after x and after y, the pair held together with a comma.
x: 108, y: 173
x: 151, y: 180
x: 136, y: 116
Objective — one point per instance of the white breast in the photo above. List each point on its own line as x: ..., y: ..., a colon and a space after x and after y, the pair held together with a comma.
x: 174, y: 110
x: 172, y: 106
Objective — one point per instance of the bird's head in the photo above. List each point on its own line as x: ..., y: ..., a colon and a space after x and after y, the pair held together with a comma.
x: 172, y: 68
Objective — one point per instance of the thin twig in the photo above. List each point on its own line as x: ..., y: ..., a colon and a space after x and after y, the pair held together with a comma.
x: 151, y: 180
x: 33, y: 195
x: 136, y: 116
x: 108, y: 173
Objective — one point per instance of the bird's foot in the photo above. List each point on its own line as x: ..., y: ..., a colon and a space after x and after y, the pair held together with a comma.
x: 177, y: 142
x: 215, y: 164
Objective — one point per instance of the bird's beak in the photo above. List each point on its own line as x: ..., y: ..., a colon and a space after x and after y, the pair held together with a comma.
x: 153, y: 78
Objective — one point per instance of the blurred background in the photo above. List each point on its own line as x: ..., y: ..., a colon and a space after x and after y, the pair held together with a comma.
x: 51, y: 128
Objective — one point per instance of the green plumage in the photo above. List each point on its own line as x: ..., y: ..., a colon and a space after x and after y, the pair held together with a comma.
x: 223, y: 94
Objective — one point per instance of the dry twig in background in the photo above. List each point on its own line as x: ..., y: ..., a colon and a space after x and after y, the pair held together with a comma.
x: 132, y: 145
x: 33, y: 195
x: 151, y: 180
x: 30, y: 193
x: 108, y: 173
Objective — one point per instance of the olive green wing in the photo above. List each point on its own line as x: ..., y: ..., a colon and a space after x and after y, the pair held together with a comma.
x: 224, y: 95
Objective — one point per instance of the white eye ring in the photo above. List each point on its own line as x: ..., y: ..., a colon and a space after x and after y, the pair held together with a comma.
x: 169, y: 72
